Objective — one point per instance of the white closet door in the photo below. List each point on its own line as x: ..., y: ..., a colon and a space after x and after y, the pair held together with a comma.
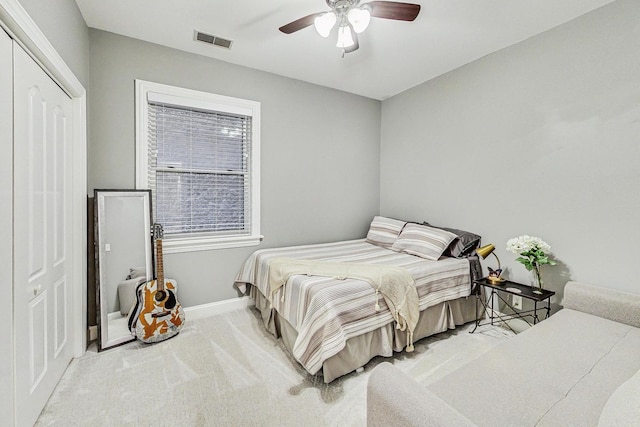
x: 42, y: 236
x: 6, y: 230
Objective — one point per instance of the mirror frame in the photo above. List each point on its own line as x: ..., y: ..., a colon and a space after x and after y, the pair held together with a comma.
x: 104, y: 341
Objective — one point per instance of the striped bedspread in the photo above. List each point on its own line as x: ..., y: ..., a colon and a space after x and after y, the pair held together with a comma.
x: 326, y: 312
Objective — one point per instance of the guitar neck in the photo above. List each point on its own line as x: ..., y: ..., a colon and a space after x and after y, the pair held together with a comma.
x: 159, y: 266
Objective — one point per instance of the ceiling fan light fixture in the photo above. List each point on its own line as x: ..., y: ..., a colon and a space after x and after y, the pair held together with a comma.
x: 345, y: 39
x: 359, y: 19
x: 350, y: 16
x: 324, y: 23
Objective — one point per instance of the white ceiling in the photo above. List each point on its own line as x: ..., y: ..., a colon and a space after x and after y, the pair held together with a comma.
x: 393, y: 55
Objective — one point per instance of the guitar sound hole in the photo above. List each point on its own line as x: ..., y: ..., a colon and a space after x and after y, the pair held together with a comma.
x: 160, y: 295
x: 171, y: 301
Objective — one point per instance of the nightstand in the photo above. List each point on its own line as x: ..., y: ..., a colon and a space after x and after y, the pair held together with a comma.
x: 541, y: 302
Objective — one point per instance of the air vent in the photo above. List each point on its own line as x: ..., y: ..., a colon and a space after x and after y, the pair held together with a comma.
x: 214, y: 40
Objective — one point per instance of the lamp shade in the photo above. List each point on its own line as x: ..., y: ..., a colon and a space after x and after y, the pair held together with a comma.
x: 486, y: 250
x: 324, y: 23
x: 345, y: 39
x: 359, y: 19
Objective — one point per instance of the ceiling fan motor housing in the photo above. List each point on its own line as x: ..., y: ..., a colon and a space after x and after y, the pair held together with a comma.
x: 342, y: 6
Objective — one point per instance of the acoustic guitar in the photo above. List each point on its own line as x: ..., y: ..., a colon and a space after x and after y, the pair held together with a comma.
x: 157, y: 315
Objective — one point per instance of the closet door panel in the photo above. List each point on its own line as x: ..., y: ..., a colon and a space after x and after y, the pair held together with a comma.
x: 42, y: 215
x: 35, y: 185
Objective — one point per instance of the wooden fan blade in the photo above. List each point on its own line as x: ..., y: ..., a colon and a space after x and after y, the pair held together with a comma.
x: 299, y: 24
x: 394, y: 10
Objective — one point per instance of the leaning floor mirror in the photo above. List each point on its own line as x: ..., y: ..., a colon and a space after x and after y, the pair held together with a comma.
x: 124, y: 259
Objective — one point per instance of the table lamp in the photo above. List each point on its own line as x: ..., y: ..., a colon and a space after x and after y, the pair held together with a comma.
x: 494, y: 275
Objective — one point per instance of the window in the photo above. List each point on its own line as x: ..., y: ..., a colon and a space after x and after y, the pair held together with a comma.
x: 199, y: 154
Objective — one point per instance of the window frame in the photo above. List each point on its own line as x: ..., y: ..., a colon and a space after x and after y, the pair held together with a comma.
x: 207, y: 101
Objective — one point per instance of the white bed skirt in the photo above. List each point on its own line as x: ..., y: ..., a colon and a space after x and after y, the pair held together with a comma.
x: 380, y: 342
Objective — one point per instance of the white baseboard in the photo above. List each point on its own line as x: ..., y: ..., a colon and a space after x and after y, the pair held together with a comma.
x: 219, y: 307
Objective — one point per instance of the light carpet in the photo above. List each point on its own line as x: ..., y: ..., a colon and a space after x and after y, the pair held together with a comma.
x: 227, y: 370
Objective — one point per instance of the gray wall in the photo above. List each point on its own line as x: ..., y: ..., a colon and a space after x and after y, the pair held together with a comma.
x: 320, y: 151
x: 541, y: 138
x: 63, y: 25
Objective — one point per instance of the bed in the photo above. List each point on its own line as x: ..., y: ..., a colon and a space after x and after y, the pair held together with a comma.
x: 334, y: 325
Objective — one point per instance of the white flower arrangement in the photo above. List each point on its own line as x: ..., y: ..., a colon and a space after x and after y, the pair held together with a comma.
x: 533, y: 252
x: 533, y: 248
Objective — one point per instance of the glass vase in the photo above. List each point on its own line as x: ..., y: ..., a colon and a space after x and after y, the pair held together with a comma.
x: 536, y: 279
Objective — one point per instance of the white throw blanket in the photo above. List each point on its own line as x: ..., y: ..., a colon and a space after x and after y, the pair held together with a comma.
x: 396, y: 285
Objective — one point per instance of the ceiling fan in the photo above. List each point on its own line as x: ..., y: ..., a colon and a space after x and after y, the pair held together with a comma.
x: 352, y: 19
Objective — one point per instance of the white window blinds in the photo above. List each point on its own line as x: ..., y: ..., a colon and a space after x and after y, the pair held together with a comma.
x: 199, y: 170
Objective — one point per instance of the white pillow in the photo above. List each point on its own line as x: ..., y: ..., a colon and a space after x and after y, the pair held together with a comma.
x: 423, y: 241
x: 384, y: 231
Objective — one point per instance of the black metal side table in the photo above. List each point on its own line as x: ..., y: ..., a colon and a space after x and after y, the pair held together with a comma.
x: 512, y: 288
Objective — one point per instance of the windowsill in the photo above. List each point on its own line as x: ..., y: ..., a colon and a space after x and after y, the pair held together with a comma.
x: 193, y: 244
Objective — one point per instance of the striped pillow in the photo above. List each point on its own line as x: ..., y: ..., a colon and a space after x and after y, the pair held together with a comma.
x: 423, y: 241
x: 384, y: 231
